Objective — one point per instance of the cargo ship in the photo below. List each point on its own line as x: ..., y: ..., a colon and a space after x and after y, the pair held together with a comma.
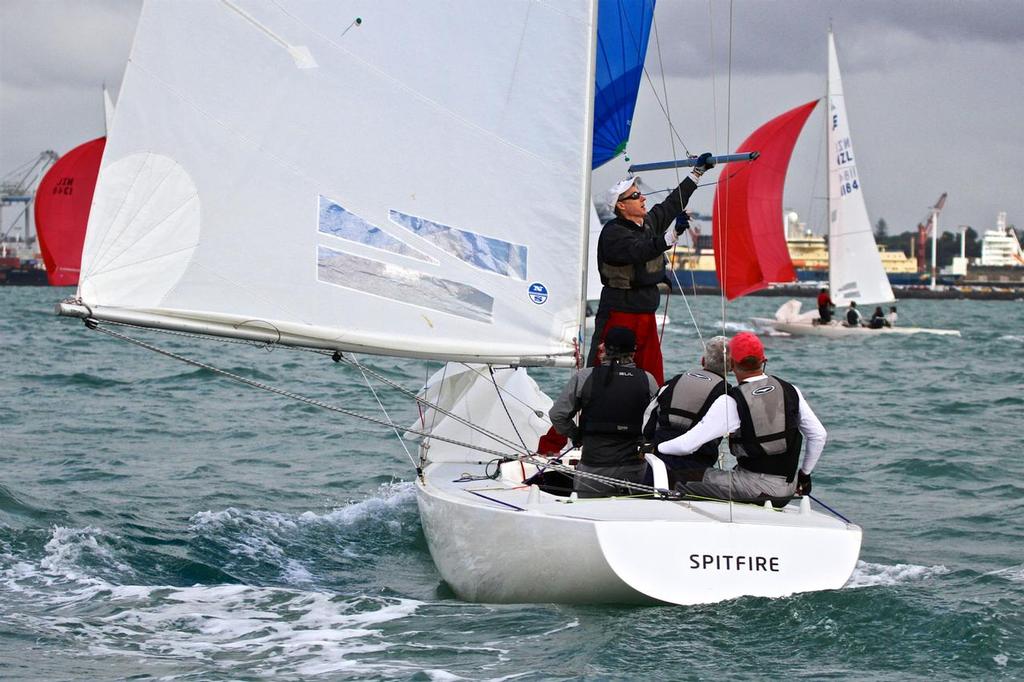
x: 694, y: 263
x: 20, y: 265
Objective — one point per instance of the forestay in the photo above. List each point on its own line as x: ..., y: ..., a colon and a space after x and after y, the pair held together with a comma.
x: 400, y: 178
x: 855, y: 269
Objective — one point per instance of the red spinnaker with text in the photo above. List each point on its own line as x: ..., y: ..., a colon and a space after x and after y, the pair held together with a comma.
x: 62, y: 210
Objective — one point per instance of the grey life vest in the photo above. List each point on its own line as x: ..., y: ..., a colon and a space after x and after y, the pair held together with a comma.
x: 769, y: 439
x: 687, y: 398
x: 630, y: 275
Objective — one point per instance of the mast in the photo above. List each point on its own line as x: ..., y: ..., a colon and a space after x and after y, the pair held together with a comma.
x: 935, y: 230
x: 828, y: 150
x: 588, y: 155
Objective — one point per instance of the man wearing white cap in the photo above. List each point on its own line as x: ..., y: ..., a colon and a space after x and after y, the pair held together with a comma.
x: 631, y: 260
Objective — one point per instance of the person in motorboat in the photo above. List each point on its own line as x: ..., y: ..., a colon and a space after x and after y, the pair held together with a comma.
x: 891, y: 317
x: 611, y: 400
x: 767, y: 421
x: 878, y: 319
x: 825, y: 306
x: 853, y: 317
x: 631, y: 261
x: 682, y: 402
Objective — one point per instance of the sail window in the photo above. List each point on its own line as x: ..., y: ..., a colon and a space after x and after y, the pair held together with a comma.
x: 402, y: 284
x: 486, y: 253
x: 339, y: 222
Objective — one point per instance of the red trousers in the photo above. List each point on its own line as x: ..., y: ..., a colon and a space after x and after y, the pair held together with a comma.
x: 648, y: 357
x: 648, y: 345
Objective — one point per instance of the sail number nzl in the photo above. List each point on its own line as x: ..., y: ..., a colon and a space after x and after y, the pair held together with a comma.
x: 733, y: 562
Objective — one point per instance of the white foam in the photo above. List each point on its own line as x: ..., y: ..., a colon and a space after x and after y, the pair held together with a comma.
x: 297, y: 631
x: 1012, y: 337
x: 736, y: 327
x: 260, y: 534
x: 263, y: 630
x: 1001, y: 660
x: 869, y: 575
x: 1013, y: 573
x: 390, y: 496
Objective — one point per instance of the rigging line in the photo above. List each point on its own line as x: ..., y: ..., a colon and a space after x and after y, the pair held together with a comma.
x: 94, y: 324
x: 538, y: 413
x: 433, y: 406
x: 270, y: 346
x: 494, y: 382
x: 657, y: 98
x: 385, y: 411
x: 672, y: 144
x: 728, y: 145
x: 696, y: 326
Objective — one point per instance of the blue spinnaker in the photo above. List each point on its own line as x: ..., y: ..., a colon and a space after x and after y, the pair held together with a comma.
x: 623, y: 27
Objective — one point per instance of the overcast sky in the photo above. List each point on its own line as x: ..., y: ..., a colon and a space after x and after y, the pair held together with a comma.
x: 934, y: 90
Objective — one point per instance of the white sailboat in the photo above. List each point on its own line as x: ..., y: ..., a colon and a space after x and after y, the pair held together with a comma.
x: 412, y: 180
x: 855, y: 268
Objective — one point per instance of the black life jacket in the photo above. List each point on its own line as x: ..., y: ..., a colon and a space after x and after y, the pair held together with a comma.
x: 686, y: 399
x: 630, y: 275
x: 615, y: 407
x: 769, y: 439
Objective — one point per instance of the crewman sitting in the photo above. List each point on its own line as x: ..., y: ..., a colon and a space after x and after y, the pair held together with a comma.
x: 682, y: 402
x: 611, y: 400
x: 767, y: 420
x: 853, y: 317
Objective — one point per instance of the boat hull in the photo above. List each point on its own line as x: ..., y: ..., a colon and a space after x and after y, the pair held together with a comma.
x: 836, y: 331
x: 508, y: 544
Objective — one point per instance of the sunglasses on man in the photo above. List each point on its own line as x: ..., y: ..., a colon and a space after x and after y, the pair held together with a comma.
x: 631, y: 197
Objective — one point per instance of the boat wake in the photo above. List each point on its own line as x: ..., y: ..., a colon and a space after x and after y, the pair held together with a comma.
x: 82, y: 590
x: 737, y: 327
x: 872, y: 575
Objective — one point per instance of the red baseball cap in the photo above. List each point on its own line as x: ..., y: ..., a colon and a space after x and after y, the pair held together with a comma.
x: 745, y: 345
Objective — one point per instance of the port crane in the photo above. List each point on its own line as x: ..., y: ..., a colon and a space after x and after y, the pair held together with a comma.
x: 19, y: 187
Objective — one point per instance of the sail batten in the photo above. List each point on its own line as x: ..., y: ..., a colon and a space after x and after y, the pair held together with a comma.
x: 420, y: 183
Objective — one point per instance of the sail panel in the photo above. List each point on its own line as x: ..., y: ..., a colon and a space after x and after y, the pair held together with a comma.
x: 62, y: 204
x: 750, y: 246
x: 623, y: 30
x: 236, y: 119
x: 855, y: 268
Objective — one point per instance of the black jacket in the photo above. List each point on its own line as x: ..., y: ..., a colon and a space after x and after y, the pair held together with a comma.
x: 624, y: 243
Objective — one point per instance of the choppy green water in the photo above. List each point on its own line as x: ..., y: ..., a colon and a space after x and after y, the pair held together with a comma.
x: 158, y: 522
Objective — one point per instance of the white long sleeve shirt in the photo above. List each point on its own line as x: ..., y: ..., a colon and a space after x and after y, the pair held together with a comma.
x: 723, y: 418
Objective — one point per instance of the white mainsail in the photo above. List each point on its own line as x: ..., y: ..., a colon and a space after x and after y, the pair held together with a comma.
x: 398, y: 178
x: 855, y: 268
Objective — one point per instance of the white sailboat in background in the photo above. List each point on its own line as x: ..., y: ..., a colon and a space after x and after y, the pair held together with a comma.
x: 412, y: 180
x: 855, y: 268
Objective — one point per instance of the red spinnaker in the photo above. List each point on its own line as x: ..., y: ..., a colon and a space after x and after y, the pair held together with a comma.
x: 750, y: 246
x: 62, y: 210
